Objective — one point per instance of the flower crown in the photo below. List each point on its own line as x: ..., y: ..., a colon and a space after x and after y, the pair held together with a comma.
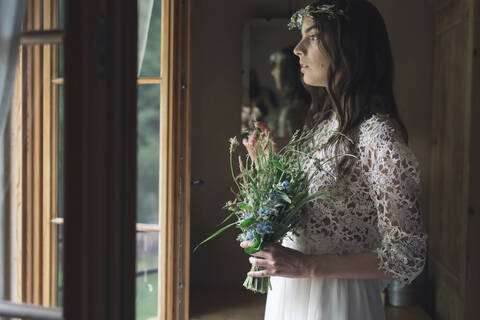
x: 329, y: 9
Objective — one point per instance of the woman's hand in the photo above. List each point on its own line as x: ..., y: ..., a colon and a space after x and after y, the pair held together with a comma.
x: 250, y: 143
x: 279, y: 261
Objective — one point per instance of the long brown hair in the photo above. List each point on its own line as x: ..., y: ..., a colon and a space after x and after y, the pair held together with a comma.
x: 360, y: 51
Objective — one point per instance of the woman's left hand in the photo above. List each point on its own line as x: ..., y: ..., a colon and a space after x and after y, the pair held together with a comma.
x: 279, y: 261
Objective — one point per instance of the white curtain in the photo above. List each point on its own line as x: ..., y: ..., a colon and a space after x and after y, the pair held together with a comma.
x: 145, y: 8
x: 12, y: 13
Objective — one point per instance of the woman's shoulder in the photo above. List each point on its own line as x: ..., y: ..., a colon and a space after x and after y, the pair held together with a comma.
x: 380, y: 128
x: 381, y: 137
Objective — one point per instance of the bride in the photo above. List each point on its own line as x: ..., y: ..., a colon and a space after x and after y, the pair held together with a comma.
x: 371, y: 230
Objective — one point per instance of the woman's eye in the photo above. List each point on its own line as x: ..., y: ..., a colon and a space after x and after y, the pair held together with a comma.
x: 314, y: 37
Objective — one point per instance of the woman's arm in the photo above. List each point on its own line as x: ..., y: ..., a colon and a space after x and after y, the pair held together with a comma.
x: 286, y: 262
x: 347, y: 266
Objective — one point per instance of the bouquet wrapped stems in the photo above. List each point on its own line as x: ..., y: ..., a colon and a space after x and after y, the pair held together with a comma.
x: 260, y: 285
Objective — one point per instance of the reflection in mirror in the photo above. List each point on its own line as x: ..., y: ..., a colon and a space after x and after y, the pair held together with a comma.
x: 273, y: 91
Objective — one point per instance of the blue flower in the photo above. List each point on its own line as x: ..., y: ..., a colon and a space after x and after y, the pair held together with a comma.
x: 250, y: 235
x: 273, y: 197
x: 266, y: 212
x: 285, y: 185
x: 248, y: 216
x: 264, y: 228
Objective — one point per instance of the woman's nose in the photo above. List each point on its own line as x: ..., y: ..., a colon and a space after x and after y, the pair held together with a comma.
x: 297, y: 50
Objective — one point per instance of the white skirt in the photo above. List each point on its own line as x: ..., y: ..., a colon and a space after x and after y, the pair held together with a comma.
x: 325, y: 299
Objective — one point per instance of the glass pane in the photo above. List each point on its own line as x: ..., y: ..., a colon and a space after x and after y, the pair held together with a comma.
x: 147, y: 275
x: 149, y: 37
x: 61, y: 10
x: 148, y: 118
x: 60, y: 61
x: 61, y: 26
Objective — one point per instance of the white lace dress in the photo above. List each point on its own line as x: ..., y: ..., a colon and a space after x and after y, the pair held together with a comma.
x: 374, y: 209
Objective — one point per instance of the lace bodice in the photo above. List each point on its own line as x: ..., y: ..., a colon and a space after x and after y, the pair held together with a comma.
x: 374, y: 207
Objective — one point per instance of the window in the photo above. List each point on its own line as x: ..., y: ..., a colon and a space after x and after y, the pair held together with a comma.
x: 72, y: 153
x: 34, y: 162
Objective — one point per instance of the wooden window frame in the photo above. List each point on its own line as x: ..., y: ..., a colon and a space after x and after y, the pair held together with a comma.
x: 33, y: 161
x: 100, y: 228
x: 174, y: 242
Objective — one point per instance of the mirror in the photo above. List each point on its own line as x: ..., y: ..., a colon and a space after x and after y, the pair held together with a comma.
x: 272, y: 91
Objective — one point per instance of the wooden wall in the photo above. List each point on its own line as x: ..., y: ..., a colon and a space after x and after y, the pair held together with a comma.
x: 453, y: 222
x: 473, y: 237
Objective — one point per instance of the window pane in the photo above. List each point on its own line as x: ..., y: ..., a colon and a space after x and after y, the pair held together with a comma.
x: 60, y: 61
x: 148, y: 118
x: 61, y: 10
x: 147, y: 275
x: 149, y: 37
x: 61, y: 26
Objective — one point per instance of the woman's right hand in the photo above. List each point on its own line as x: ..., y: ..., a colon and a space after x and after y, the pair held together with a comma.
x: 250, y: 143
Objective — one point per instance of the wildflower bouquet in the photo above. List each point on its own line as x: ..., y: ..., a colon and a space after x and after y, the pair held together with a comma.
x: 271, y: 192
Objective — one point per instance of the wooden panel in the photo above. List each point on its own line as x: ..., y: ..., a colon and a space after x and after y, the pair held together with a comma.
x: 450, y: 159
x: 16, y: 121
x: 473, y: 238
x: 27, y: 161
x: 100, y: 159
x: 166, y: 256
x: 54, y: 162
x: 144, y: 80
x: 32, y: 112
x: 445, y: 289
x: 174, y: 162
x: 152, y: 80
x: 46, y: 156
x: 186, y: 133
x: 447, y: 225
x: 36, y: 155
x: 449, y: 13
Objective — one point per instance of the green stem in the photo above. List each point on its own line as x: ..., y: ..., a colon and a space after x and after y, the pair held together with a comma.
x: 257, y: 285
x: 231, y: 170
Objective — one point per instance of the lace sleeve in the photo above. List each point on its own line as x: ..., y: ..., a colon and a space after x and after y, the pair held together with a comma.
x: 392, y: 174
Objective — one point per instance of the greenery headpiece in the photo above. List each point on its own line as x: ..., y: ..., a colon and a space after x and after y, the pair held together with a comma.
x: 329, y: 9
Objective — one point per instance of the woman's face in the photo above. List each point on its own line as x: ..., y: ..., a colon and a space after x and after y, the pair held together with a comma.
x: 314, y: 61
x: 276, y: 75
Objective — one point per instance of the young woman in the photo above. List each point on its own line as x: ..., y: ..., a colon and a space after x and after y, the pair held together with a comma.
x: 371, y: 230
x: 294, y: 98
